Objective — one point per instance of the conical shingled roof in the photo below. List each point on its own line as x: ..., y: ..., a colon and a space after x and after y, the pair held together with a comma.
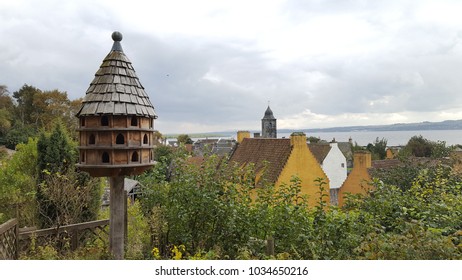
x: 269, y: 114
x: 116, y: 90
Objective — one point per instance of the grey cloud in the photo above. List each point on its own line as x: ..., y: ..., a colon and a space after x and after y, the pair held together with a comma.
x: 413, y: 66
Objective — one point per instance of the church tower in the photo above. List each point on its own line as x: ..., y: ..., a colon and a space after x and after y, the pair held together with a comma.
x: 268, y: 125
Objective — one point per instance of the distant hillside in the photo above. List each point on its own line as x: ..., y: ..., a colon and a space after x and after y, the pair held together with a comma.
x: 444, y: 125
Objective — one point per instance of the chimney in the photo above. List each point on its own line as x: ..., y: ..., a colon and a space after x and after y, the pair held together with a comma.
x: 241, y: 135
x: 298, y: 139
x: 362, y: 159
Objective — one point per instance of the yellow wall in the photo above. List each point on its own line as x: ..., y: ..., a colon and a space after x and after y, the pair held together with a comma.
x: 391, y: 153
x: 359, y: 178
x: 241, y: 135
x: 303, y: 164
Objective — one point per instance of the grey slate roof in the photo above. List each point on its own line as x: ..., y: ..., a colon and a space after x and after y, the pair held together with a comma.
x: 116, y: 90
x: 269, y: 114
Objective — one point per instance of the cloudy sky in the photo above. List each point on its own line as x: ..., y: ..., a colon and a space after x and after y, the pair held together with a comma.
x: 212, y: 65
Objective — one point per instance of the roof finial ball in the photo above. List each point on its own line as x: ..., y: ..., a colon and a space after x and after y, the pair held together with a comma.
x: 117, y: 36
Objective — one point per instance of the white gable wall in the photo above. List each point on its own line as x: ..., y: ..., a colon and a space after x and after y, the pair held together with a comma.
x: 335, y: 166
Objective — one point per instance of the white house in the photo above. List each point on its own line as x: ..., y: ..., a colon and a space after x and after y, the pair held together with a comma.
x: 334, y: 164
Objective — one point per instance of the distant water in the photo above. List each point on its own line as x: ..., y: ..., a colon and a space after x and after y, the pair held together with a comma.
x: 394, y: 138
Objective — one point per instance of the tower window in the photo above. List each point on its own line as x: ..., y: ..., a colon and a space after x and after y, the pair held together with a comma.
x: 134, y: 121
x: 82, y: 121
x: 135, y: 157
x: 92, y: 140
x: 120, y: 139
x: 82, y: 156
x: 105, y: 157
x: 104, y: 121
x: 145, y: 139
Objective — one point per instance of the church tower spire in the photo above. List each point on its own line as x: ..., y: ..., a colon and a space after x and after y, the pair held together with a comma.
x: 268, y: 124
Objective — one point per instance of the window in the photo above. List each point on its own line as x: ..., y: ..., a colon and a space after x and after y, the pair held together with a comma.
x: 104, y: 121
x: 134, y: 121
x: 145, y: 139
x: 135, y: 157
x: 105, y: 157
x: 82, y: 122
x: 92, y: 140
x: 82, y: 156
x: 343, y: 165
x: 120, y: 139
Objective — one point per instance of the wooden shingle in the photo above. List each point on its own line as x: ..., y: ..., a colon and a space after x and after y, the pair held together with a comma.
x: 116, y: 89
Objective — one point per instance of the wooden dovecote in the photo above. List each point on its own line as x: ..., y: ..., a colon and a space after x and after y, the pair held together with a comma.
x: 116, y: 120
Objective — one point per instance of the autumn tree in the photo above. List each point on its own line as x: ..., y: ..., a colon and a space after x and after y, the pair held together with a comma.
x: 51, y: 106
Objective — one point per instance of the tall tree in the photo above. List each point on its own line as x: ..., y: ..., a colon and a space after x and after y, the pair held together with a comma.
x: 50, y: 106
x: 25, y: 110
x: 55, y: 152
x: 64, y: 195
x: 55, y: 155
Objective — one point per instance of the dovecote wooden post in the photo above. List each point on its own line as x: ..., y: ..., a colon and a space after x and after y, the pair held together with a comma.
x: 116, y: 125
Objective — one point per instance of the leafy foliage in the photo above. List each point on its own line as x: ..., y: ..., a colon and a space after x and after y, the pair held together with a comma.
x: 214, y: 210
x: 422, y: 147
x: 184, y: 139
x: 17, y: 184
x: 64, y: 195
x: 378, y: 149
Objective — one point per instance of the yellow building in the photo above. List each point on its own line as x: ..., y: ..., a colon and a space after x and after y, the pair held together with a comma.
x: 277, y: 160
x: 392, y: 152
x: 358, y: 181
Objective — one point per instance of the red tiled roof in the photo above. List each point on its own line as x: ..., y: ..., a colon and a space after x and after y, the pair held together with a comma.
x: 386, y: 163
x: 263, y: 151
x: 319, y: 151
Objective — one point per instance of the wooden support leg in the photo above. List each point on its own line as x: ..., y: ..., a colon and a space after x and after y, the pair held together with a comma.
x: 117, y: 217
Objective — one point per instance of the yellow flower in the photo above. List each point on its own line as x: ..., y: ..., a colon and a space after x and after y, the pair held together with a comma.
x: 156, y: 253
